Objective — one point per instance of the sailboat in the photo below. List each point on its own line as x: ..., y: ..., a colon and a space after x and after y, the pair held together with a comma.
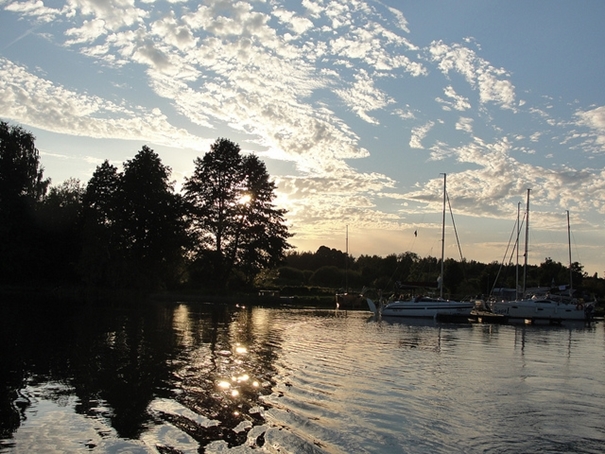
x: 425, y: 306
x: 543, y: 308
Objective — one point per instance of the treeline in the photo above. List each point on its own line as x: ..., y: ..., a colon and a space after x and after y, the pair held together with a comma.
x: 334, y: 269
x: 129, y: 228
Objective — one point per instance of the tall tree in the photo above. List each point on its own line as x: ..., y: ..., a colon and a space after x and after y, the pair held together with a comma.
x: 151, y: 221
x: 100, y: 257
x: 134, y: 226
x: 22, y: 186
x: 234, y: 222
x: 58, y: 216
x: 20, y: 172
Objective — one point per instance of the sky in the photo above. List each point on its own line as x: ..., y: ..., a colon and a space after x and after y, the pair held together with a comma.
x: 357, y: 107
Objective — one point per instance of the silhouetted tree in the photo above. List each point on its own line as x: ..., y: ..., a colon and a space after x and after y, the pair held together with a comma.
x: 327, y: 276
x: 151, y: 222
x: 301, y: 260
x: 234, y: 223
x: 577, y: 274
x: 134, y: 227
x: 287, y: 275
x: 101, y: 258
x: 406, y: 262
x: 550, y: 273
x: 370, y: 268
x: 20, y: 171
x: 454, y: 276
x: 59, y: 221
x: 329, y: 257
x: 22, y: 186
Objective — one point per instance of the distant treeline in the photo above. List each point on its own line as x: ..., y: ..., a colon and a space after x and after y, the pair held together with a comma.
x: 129, y: 229
x: 397, y: 273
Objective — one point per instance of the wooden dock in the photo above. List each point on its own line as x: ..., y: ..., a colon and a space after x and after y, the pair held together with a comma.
x: 478, y: 316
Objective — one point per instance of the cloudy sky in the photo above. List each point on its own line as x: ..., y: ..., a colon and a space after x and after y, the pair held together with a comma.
x: 356, y: 106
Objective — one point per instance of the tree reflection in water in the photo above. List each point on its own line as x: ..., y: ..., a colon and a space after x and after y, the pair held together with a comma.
x: 129, y: 365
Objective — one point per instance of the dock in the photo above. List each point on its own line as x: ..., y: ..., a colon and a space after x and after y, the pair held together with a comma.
x: 479, y: 316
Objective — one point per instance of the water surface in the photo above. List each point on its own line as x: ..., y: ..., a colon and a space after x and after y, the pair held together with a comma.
x: 194, y: 378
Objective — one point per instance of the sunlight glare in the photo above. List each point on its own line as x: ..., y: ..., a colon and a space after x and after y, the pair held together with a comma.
x: 223, y: 384
x: 244, y: 199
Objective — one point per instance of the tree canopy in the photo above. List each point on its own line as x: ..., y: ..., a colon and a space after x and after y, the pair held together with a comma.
x: 140, y: 222
x: 233, y: 221
x: 22, y: 186
x: 130, y: 228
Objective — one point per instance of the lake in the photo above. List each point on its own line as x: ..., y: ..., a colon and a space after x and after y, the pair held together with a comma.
x: 188, y: 378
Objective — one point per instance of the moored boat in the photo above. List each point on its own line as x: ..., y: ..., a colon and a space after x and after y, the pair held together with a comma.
x: 425, y: 306
x: 545, y: 307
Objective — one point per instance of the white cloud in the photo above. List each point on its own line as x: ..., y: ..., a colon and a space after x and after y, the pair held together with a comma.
x: 296, y: 24
x: 33, y: 8
x: 494, y: 187
x: 173, y: 32
x: 420, y: 133
x: 313, y: 8
x: 31, y: 100
x: 459, y: 102
x: 594, y: 119
x: 402, y: 22
x: 115, y: 13
x: 88, y: 32
x: 465, y: 124
x: 363, y: 96
x: 478, y: 73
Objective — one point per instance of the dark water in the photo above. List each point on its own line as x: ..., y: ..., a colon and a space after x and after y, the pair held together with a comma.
x: 175, y: 378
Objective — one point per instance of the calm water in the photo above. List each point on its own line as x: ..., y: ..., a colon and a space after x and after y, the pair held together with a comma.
x: 185, y: 378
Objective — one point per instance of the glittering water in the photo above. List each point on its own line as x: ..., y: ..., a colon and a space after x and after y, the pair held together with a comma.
x: 193, y: 378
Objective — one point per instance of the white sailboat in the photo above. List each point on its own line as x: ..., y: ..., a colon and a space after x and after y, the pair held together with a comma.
x: 424, y: 306
x: 543, y: 308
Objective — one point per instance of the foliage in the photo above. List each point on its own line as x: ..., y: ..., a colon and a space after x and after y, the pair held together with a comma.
x: 130, y: 229
x: 22, y: 186
x: 140, y: 222
x: 20, y: 172
x: 58, y: 217
x: 150, y: 221
x: 233, y: 222
x: 326, y: 276
x: 100, y: 235
x: 462, y: 279
x: 287, y: 275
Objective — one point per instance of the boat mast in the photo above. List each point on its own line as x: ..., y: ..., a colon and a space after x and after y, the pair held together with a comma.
x: 517, y: 266
x: 443, y: 236
x: 347, y: 260
x: 570, y: 264
x: 526, y: 243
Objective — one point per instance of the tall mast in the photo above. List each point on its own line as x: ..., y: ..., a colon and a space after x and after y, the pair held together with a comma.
x: 517, y: 266
x: 526, y: 243
x: 443, y: 236
x: 347, y: 261
x: 570, y: 265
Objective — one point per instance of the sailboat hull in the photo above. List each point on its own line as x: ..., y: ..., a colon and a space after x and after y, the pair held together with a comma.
x: 540, y: 309
x: 427, y: 308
